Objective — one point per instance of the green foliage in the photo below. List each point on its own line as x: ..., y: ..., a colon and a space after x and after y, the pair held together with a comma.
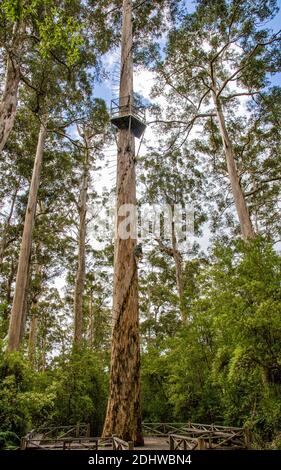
x: 20, y: 403
x: 56, y: 31
x: 9, y: 441
x: 224, y: 366
x: 155, y: 406
x: 80, y: 388
x: 73, y: 391
x: 57, y: 28
x: 16, y: 10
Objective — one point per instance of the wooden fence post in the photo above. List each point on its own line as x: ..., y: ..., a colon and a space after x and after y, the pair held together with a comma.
x: 171, y: 442
x: 248, y: 437
x: 23, y: 443
x: 201, y: 443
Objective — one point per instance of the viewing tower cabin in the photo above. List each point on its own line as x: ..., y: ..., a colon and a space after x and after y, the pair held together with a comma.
x: 128, y: 113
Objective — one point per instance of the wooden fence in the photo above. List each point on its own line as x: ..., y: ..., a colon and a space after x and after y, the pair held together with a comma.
x: 77, y: 430
x: 181, y: 436
x: 66, y: 443
x: 200, y: 436
x: 177, y: 442
x: 70, y: 438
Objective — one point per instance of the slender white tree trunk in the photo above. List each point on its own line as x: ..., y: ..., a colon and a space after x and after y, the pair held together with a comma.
x: 33, y: 329
x: 3, y: 242
x: 81, y: 268
x: 179, y: 274
x: 177, y: 257
x: 91, y: 318
x: 237, y: 191
x: 32, y: 337
x: 17, y: 313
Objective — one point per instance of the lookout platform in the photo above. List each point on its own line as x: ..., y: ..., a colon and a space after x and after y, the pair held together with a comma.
x: 126, y: 113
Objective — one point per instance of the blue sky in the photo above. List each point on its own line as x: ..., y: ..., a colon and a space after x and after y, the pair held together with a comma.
x: 276, y: 23
x: 276, y: 26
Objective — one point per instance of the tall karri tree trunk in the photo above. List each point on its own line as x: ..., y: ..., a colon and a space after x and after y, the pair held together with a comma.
x: 17, y: 313
x: 123, y: 416
x: 8, y: 104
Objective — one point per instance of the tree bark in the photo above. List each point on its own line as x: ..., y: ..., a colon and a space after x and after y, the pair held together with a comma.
x: 81, y: 268
x: 3, y: 243
x: 91, y: 323
x: 33, y: 330
x: 8, y: 105
x: 32, y: 337
x: 177, y: 257
x: 43, y: 354
x: 238, y: 195
x: 17, y: 313
x: 123, y: 416
x: 179, y: 275
x: 26, y: 303
x: 8, y: 296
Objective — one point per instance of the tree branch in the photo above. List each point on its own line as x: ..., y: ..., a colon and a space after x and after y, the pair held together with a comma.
x: 164, y: 248
x: 274, y: 38
x: 259, y: 187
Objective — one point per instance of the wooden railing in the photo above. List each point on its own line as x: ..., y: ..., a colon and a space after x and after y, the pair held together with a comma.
x: 50, y: 435
x: 125, y: 106
x: 70, y: 443
x: 161, y: 429
x: 177, y: 442
x: 186, y: 436
x: 70, y: 438
x: 208, y: 440
x: 78, y: 430
x: 197, y: 435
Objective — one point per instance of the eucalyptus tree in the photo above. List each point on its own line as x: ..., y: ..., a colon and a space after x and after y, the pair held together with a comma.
x: 51, y: 236
x: 14, y: 174
x: 97, y: 314
x: 256, y: 138
x: 53, y: 85
x: 39, y: 27
x: 214, y: 57
x: 175, y: 184
x: 17, y: 313
x: 124, y: 384
x: 92, y: 131
x: 47, y: 89
x: 263, y: 186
